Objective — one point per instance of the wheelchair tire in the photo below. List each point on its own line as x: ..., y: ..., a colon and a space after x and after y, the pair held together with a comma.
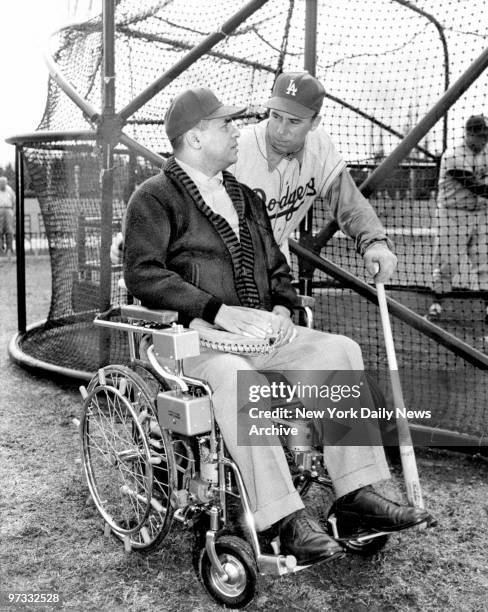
x: 237, y: 557
x: 128, y: 460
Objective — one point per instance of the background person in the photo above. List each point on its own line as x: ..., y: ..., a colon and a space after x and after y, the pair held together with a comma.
x: 7, y: 208
x: 199, y: 242
x: 462, y: 213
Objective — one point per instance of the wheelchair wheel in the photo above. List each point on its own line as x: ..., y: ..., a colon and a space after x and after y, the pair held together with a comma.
x: 128, y: 460
x: 237, y: 558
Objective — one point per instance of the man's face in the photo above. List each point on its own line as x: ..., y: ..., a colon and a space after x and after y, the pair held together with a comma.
x: 476, y: 142
x: 287, y: 132
x: 218, y: 139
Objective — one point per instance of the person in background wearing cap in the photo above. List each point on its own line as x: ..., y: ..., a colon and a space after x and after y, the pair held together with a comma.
x: 462, y: 213
x: 199, y: 242
x: 7, y: 206
x: 289, y: 160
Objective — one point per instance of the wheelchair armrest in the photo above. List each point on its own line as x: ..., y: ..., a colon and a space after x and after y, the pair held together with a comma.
x: 141, y: 313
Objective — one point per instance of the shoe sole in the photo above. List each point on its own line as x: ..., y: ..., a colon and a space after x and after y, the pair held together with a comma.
x: 302, y: 563
x: 364, y: 530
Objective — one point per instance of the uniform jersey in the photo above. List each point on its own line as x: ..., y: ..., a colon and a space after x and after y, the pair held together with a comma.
x: 289, y: 189
x: 451, y: 193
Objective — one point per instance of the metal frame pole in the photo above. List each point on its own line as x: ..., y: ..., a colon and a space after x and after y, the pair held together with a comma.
x: 305, y: 273
x: 20, y: 238
x: 107, y: 179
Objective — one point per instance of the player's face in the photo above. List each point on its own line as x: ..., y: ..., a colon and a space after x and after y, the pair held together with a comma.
x: 476, y: 142
x: 218, y: 139
x: 287, y: 132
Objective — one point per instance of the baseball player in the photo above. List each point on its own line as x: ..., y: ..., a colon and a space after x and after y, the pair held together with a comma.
x: 461, y: 216
x: 289, y: 160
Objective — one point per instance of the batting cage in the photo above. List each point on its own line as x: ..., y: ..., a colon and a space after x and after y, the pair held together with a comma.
x: 401, y: 78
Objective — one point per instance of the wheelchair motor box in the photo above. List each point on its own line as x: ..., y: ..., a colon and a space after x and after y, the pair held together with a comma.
x: 176, y: 343
x: 184, y: 413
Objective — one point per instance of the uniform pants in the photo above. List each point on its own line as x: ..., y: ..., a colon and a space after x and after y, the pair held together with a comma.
x: 264, y: 468
x: 461, y: 247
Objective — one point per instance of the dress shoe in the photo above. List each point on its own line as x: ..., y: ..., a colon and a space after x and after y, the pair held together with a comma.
x: 366, y: 510
x: 302, y: 536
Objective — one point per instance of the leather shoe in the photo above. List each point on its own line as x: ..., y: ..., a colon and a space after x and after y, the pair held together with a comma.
x: 302, y: 536
x: 364, y: 509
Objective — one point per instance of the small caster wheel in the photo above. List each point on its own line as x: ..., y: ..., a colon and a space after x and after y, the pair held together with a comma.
x: 237, y: 559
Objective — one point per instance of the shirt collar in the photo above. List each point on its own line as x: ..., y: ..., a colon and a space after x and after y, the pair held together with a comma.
x: 199, y: 178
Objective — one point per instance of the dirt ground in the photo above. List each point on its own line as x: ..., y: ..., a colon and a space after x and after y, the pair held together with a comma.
x: 53, y: 542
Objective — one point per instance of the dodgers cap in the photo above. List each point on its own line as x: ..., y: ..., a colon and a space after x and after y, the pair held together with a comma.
x: 298, y: 93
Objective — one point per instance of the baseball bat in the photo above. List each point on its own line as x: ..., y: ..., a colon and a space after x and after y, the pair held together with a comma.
x: 407, y: 453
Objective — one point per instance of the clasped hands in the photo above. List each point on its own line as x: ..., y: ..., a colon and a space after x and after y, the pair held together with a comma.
x: 257, y: 323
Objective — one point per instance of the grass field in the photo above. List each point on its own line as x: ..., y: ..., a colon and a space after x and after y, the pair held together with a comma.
x: 52, y: 537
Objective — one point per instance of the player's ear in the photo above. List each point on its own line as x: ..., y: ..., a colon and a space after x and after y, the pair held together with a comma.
x: 316, y: 122
x: 192, y: 139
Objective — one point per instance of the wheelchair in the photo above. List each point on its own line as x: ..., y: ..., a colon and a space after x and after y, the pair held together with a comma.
x: 152, y: 454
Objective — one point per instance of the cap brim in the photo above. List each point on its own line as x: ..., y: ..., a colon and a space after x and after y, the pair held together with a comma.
x: 227, y: 111
x: 290, y: 106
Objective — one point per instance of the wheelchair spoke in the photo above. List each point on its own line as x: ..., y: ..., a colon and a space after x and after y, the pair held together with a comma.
x: 128, y: 460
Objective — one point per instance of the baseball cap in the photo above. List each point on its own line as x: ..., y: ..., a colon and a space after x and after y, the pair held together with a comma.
x: 298, y: 93
x: 193, y: 105
x: 476, y: 124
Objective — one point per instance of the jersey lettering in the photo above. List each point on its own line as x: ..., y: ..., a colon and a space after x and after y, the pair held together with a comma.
x: 291, y: 89
x: 290, y: 201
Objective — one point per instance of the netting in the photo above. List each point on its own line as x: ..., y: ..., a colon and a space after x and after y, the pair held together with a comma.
x: 383, y: 64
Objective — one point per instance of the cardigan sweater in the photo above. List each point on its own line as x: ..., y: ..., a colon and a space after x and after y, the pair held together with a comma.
x: 181, y: 255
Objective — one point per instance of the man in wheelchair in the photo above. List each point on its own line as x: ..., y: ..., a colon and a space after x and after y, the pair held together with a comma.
x: 199, y: 242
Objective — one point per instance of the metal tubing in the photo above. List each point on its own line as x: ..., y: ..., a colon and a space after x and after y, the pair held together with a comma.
x: 310, y: 61
x: 108, y: 81
x: 431, y: 118
x: 108, y: 111
x: 46, y: 136
x: 20, y: 239
x: 457, y: 346
x: 137, y: 147
x: 310, y: 43
x: 91, y: 113
x: 180, y: 44
x: 25, y: 360
x: 190, y: 58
